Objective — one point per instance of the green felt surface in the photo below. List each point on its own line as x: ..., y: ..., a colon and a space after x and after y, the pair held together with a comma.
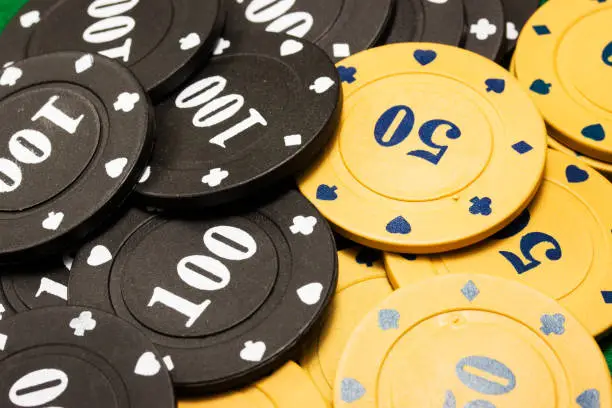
x: 9, y: 7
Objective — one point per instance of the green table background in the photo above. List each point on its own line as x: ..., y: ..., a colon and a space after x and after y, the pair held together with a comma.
x: 9, y: 7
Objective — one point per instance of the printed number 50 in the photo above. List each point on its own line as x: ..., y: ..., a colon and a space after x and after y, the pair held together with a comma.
x: 405, y: 127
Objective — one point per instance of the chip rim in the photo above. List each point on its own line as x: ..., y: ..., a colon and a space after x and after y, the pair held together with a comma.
x: 493, y: 46
x: 351, y: 273
x: 434, y: 28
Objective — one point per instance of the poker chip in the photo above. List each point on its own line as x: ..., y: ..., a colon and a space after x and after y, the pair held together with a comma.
x: 227, y: 297
x: 485, y: 32
x: 602, y: 167
x: 569, y: 260
x: 340, y: 27
x: 574, y: 98
x: 407, y: 171
x: 362, y: 284
x: 305, y: 204
x: 63, y: 356
x: 471, y: 340
x: 288, y: 387
x: 517, y: 13
x: 32, y: 286
x: 163, y: 42
x: 426, y: 21
x: 259, y: 112
x: 66, y: 164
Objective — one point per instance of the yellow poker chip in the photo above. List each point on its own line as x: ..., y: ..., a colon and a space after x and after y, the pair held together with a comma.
x: 561, y: 245
x: 362, y: 284
x: 471, y: 341
x: 438, y: 148
x: 288, y: 387
x: 602, y: 167
x: 564, y: 56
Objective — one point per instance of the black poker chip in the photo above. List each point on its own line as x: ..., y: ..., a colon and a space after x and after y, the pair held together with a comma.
x: 340, y: 27
x: 485, y: 27
x: 36, y: 285
x: 75, y: 357
x: 227, y: 297
x: 76, y: 136
x: 517, y: 13
x: 163, y: 41
x: 426, y: 21
x: 260, y: 111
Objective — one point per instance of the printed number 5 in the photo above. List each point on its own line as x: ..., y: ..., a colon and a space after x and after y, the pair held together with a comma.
x: 528, y: 243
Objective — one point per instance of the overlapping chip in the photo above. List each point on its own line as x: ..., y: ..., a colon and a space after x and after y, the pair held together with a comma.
x: 155, y: 252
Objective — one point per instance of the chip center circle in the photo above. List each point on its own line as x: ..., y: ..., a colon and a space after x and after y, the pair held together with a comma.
x: 406, y: 137
x: 195, y: 279
x: 50, y: 140
x: 59, y: 376
x: 125, y: 32
x: 590, y: 41
x: 448, y: 356
x: 220, y: 117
